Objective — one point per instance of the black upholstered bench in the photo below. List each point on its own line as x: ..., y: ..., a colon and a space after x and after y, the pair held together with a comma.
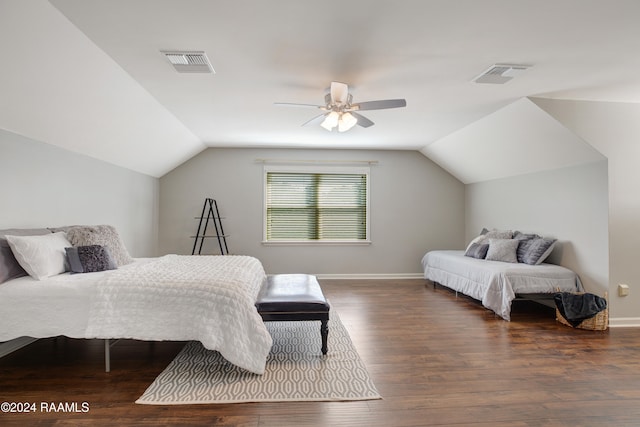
x: 294, y: 297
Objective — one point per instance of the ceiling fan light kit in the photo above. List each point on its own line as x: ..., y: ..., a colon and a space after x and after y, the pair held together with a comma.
x: 330, y: 121
x: 340, y: 111
x: 346, y: 122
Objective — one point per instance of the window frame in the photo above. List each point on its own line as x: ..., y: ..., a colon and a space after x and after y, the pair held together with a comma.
x: 312, y: 169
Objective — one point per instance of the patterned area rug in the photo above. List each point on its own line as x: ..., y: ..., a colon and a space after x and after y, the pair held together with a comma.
x: 296, y: 371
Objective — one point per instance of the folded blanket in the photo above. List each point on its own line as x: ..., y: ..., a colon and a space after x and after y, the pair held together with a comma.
x: 578, y: 307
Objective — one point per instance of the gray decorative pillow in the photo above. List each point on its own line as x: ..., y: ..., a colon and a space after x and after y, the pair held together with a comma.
x: 537, y: 250
x: 88, y: 259
x: 103, y: 235
x: 525, y: 242
x: 478, y: 240
x: 477, y: 250
x: 502, y: 250
x: 524, y: 236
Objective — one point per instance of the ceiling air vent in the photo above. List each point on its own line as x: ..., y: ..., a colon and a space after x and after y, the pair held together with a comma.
x: 501, y: 73
x: 189, y: 62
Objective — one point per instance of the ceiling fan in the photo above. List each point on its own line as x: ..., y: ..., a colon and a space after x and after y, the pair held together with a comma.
x: 339, y: 110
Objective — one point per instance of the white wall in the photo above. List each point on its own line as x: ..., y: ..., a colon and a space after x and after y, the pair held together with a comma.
x: 614, y: 130
x: 46, y: 186
x: 569, y: 204
x: 415, y: 206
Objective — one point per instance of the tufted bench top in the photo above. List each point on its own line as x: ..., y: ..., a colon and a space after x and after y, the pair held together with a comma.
x: 291, y: 293
x: 294, y: 297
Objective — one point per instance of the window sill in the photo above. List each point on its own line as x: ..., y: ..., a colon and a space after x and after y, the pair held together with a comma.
x: 316, y: 242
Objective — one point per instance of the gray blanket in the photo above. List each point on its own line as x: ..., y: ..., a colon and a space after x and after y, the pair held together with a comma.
x: 579, y: 307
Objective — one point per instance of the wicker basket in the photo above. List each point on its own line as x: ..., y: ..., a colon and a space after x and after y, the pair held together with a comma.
x: 599, y: 322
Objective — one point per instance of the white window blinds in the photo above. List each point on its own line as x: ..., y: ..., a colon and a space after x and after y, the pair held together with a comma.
x: 316, y: 206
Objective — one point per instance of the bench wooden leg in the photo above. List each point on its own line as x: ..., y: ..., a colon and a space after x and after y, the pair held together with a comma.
x: 324, y: 332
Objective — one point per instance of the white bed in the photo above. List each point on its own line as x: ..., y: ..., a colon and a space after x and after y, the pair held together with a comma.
x: 205, y: 298
x: 496, y: 283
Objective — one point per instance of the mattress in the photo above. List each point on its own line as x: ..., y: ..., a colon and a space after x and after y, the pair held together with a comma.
x: 57, y: 305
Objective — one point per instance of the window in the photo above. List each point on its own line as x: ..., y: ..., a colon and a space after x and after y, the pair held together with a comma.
x: 316, y: 205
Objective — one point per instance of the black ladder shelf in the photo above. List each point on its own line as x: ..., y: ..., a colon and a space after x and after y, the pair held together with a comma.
x: 210, y: 214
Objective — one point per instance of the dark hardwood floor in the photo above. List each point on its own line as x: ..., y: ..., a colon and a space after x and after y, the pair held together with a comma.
x: 437, y: 360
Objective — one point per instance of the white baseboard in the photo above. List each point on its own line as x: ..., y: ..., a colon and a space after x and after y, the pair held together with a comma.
x: 624, y: 322
x: 13, y: 345
x: 392, y: 276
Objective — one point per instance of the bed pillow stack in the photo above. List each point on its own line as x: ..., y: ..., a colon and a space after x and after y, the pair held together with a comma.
x: 508, y: 246
x: 42, y: 253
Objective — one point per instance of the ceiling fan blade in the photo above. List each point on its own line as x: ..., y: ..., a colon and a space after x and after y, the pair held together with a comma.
x: 316, y: 120
x: 362, y: 120
x: 339, y: 93
x: 293, y: 104
x: 381, y: 105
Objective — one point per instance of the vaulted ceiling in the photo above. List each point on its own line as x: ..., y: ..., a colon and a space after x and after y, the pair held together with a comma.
x: 89, y: 76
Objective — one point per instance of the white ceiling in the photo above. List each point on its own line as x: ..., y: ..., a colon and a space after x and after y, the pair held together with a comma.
x: 518, y: 139
x: 89, y: 76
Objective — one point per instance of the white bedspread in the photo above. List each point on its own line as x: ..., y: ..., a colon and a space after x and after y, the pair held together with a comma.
x: 496, y: 283
x: 205, y: 298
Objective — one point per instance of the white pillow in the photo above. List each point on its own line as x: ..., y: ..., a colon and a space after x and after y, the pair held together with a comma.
x: 41, y: 256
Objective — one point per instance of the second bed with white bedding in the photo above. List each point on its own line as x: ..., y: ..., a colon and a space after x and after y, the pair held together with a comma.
x: 496, y: 283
